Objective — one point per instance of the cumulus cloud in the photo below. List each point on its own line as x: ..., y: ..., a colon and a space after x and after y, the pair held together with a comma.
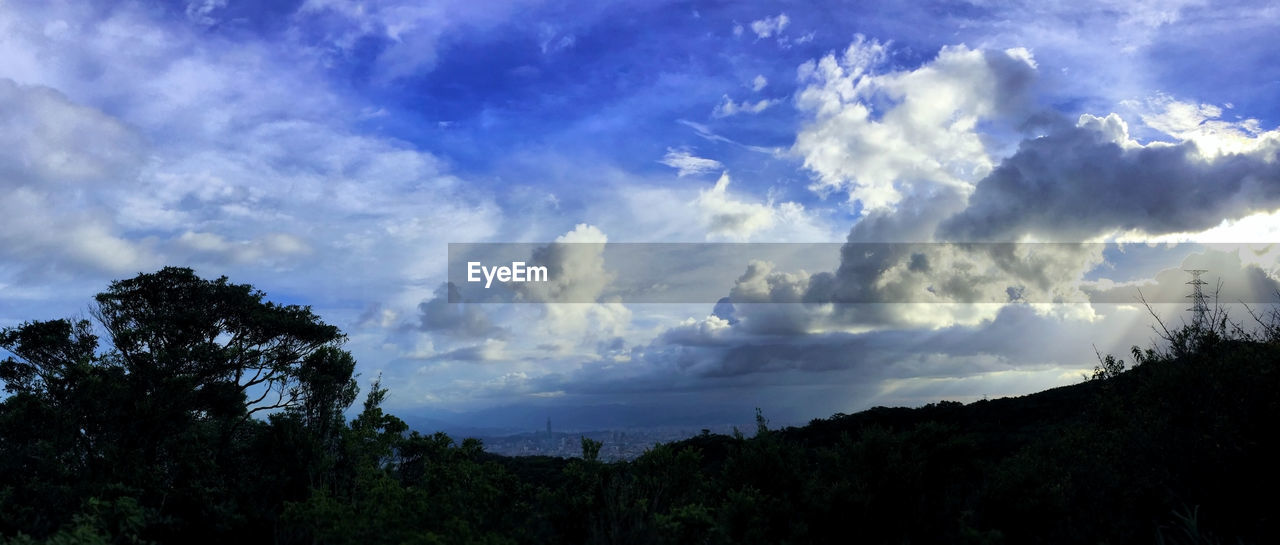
x: 700, y: 212
x: 693, y: 332
x: 780, y: 323
x: 906, y: 146
x: 445, y: 331
x: 878, y: 136
x: 52, y: 152
x: 463, y: 320
x: 267, y: 248
x: 577, y: 272
x: 49, y: 141
x: 686, y: 163
x: 1260, y: 229
x: 576, y: 268
x: 758, y: 83
x: 888, y: 286
x: 39, y: 236
x: 377, y: 316
x: 770, y: 26
x: 1088, y: 180
x: 727, y: 218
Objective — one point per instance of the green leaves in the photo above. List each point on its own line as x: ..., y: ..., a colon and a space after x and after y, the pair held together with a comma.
x: 49, y: 353
x: 590, y: 449
x: 172, y: 326
x: 161, y: 410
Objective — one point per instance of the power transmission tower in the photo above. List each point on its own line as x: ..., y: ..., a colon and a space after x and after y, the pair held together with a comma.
x: 1199, y: 307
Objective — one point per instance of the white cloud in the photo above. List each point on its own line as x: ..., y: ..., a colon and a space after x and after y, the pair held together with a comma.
x: 877, y: 135
x: 1110, y: 128
x: 53, y: 153
x: 552, y: 40
x: 706, y: 133
x: 770, y: 26
x: 654, y: 210
x: 758, y: 83
x: 201, y: 12
x: 577, y: 273
x: 47, y: 140
x: 728, y: 107
x: 410, y: 32
x: 270, y: 248
x: 731, y: 219
x: 1262, y: 228
x: 1202, y: 124
x: 727, y: 218
x: 39, y: 235
x: 577, y: 268
x: 931, y: 286
x: 687, y: 164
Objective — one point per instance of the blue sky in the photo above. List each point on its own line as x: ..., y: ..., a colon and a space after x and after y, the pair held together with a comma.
x: 327, y: 152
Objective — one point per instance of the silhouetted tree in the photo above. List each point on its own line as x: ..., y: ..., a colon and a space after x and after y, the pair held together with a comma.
x: 236, y: 352
x: 154, y: 413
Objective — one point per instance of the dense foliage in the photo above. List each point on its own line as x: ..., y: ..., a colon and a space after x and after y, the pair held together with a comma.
x: 151, y: 436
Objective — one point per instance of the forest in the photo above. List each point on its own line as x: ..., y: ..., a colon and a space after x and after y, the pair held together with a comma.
x: 185, y: 410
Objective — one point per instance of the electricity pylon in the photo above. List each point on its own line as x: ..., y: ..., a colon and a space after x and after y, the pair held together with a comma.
x: 1199, y: 307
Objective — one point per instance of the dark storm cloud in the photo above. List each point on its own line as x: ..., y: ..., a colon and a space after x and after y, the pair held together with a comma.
x: 685, y: 364
x: 458, y: 319
x: 1015, y: 81
x: 1077, y: 182
x: 869, y: 353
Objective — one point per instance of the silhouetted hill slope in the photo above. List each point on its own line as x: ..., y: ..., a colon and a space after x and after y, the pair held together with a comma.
x: 1176, y: 450
x: 1170, y: 447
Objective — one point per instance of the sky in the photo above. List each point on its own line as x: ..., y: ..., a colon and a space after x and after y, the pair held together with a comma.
x: 328, y: 152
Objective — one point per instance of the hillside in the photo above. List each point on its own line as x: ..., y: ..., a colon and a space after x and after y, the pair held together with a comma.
x: 1175, y: 449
